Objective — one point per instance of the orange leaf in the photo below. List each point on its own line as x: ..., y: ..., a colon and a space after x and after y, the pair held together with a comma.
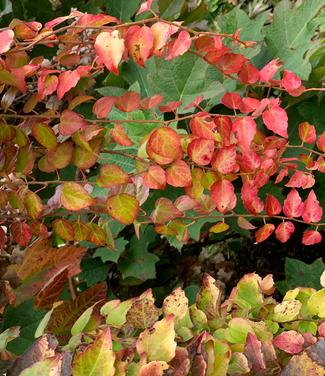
x: 75, y: 197
x: 179, y: 174
x: 123, y: 207
x: 111, y: 175
x: 264, y: 232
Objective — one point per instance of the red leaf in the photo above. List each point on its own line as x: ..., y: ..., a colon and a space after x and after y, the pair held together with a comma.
x: 307, y: 132
x: 103, y: 106
x: 245, y: 130
x: 272, y: 206
x: 248, y: 74
x: 71, y: 122
x: 293, y: 206
x: 206, y: 43
x: 231, y: 63
x: 155, y: 178
x: 250, y: 198
x: 128, y: 102
x: 69, y: 79
x: 232, y: 100
x: 290, y: 81
x: 264, y: 232
x: 313, y: 212
x: 267, y: 72
x: 165, y: 211
x: 151, y: 102
x: 179, y: 46
x: 291, y: 342
x: 170, y: 106
x: 195, y: 103
x: 224, y: 160
x: 276, y: 120
x: 224, y: 128
x: 46, y: 84
x: 202, y: 126
x: 249, y: 105
x: 311, y: 237
x: 109, y: 48
x: 284, y: 231
x: 161, y: 33
x: 254, y: 354
x: 164, y: 142
x: 21, y: 233
x: 145, y: 6
x: 301, y: 180
x: 119, y: 136
x: 139, y: 42
x: 179, y: 174
x: 223, y: 195
x: 321, y: 142
x: 6, y: 39
x: 200, y: 150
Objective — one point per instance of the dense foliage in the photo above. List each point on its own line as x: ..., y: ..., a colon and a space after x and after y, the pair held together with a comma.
x: 118, y: 128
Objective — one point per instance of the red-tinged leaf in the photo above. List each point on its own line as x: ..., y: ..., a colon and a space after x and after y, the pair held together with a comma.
x: 195, y: 103
x: 291, y: 342
x: 206, y: 43
x: 75, y: 197
x: 44, y: 135
x: 301, y: 180
x: 224, y: 160
x: 321, y: 327
x: 145, y: 6
x: 165, y: 211
x: 254, y: 354
x: 97, y: 358
x: 39, y: 229
x: 290, y: 81
x: 293, y: 206
x: 96, y: 235
x: 46, y: 85
x: 272, y: 206
x: 81, y: 231
x: 17, y: 80
x: 123, y: 207
x: 249, y: 105
x: 311, y: 237
x: 245, y: 224
x: 200, y: 150
x: 170, y: 106
x: 6, y: 39
x: 249, y: 74
x: 282, y: 174
x: 96, y: 19
x: 267, y: 72
x: 284, y: 231
x: 21, y: 233
x: 63, y: 229
x: 139, y: 42
x: 223, y: 195
x: 119, y: 136
x: 128, y: 102
x: 185, y: 202
x: 3, y: 238
x: 307, y: 132
x: 111, y: 175
x: 179, y: 174
x: 161, y: 32
x: 179, y: 46
x: 33, y: 204
x: 56, y: 21
x: 231, y: 63
x: 69, y: 79
x: 313, y: 212
x: 155, y: 178
x: 165, y: 142
x: 219, y: 227
x: 109, y: 48
x: 249, y: 194
x: 232, y: 100
x: 202, y: 126
x: 321, y: 142
x: 213, y: 56
x: 25, y: 160
x: 224, y: 128
x: 61, y: 156
x: 71, y: 122
x: 264, y: 232
x: 151, y: 102
x: 276, y: 120
x: 79, y: 99
x: 321, y: 164
x: 245, y: 130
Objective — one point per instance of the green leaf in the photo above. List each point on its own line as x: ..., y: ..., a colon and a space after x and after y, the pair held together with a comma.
x: 75, y: 197
x: 170, y: 8
x: 137, y: 262
x: 299, y: 274
x: 289, y: 35
x: 97, y: 359
x: 82, y: 321
x: 115, y: 312
x: 7, y: 336
x: 47, y: 366
x: 112, y: 255
x: 93, y: 271
x: 122, y: 9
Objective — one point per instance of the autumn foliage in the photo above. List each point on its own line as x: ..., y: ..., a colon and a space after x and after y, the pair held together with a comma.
x: 53, y: 120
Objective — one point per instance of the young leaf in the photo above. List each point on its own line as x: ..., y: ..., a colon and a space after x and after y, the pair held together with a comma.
x: 272, y: 206
x: 224, y: 160
x: 179, y: 174
x: 164, y: 142
x: 269, y: 70
x: 264, y: 232
x: 119, y: 135
x: 293, y: 206
x: 139, y: 42
x: 165, y: 211
x: 123, y: 207
x: 232, y: 100
x: 44, y: 135
x: 6, y: 39
x: 155, y: 177
x: 284, y: 231
x: 245, y: 130
x: 109, y: 48
x: 128, y: 102
x: 71, y: 122
x: 311, y: 237
x: 321, y: 142
x: 75, y: 197
x: 313, y: 212
x: 291, y: 342
x: 200, y: 150
x: 103, y: 106
x: 276, y: 120
x: 179, y: 46
x: 97, y: 358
